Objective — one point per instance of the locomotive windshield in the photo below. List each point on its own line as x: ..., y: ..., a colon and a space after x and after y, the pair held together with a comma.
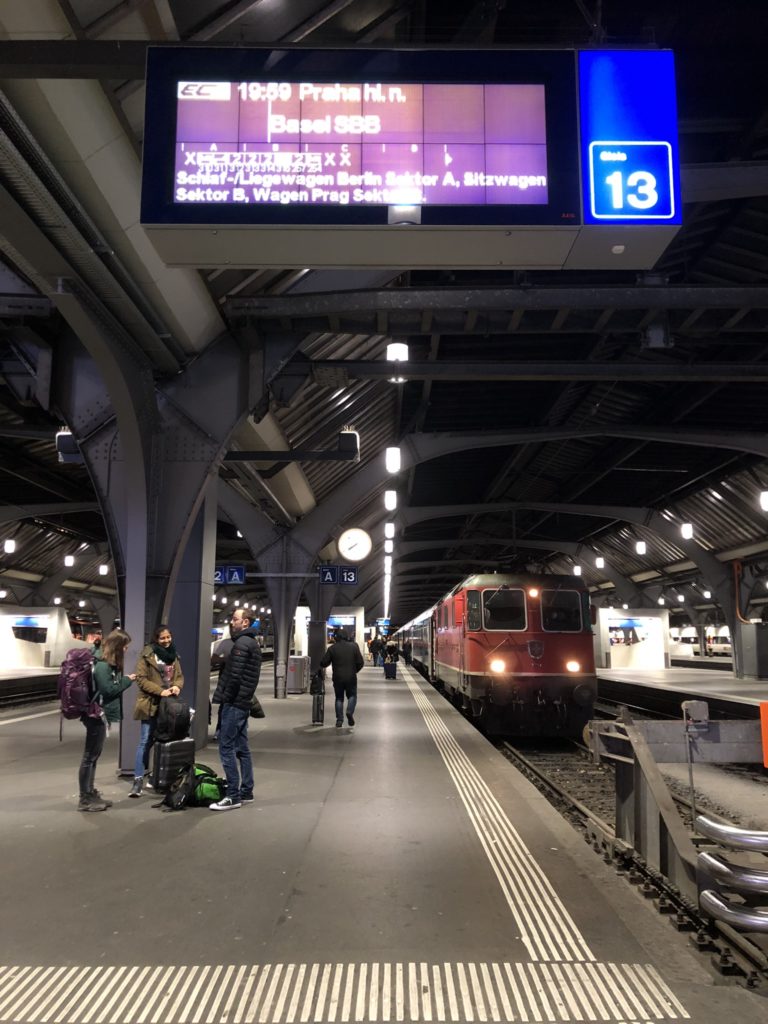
x: 561, y: 611
x: 504, y: 609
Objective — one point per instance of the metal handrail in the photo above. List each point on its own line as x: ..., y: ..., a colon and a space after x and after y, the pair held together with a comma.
x: 712, y: 868
x: 746, y: 919
x: 733, y: 876
x: 731, y: 836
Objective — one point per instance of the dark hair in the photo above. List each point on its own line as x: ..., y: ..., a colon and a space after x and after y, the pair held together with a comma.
x: 113, y: 648
x: 161, y: 629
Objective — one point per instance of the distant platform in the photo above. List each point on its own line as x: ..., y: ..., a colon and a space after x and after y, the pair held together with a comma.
x: 691, y: 684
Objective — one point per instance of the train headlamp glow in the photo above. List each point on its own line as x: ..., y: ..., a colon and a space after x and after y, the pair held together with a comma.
x: 573, y: 666
x: 533, y: 592
x: 497, y: 665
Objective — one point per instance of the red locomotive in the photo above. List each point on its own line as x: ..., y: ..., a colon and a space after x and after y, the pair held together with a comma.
x: 516, y: 649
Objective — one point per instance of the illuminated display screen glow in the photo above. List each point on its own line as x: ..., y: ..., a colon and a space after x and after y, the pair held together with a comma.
x: 238, y: 136
x: 372, y: 143
x: 629, y: 148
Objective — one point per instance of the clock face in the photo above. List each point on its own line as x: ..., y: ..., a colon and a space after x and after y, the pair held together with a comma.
x: 354, y: 544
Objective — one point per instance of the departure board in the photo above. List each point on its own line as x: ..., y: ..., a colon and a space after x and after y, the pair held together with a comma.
x: 370, y: 143
x: 249, y: 136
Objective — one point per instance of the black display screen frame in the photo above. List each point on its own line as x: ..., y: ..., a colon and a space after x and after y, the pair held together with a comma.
x: 166, y: 66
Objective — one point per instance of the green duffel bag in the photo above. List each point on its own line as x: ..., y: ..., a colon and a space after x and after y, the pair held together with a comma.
x: 208, y: 787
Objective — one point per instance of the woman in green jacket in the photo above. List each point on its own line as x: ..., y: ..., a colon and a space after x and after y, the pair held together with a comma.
x: 158, y: 674
x: 109, y: 683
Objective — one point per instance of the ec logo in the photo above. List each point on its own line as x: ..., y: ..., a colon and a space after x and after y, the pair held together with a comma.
x: 631, y: 181
x: 204, y: 90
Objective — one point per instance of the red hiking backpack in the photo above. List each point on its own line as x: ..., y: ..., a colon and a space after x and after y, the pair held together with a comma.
x: 77, y: 691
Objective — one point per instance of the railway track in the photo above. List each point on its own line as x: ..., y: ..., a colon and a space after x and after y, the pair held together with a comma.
x: 584, y: 794
x: 23, y: 694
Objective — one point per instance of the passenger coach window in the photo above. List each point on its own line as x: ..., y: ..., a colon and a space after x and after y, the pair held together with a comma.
x: 504, y: 609
x: 561, y: 611
x: 474, y: 620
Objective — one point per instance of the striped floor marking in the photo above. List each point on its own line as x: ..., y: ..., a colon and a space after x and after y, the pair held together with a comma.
x: 546, y: 928
x: 337, y: 993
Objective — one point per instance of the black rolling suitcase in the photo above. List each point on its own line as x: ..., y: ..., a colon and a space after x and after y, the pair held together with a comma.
x: 169, y: 758
x: 390, y: 670
x: 318, y: 708
x: 317, y: 689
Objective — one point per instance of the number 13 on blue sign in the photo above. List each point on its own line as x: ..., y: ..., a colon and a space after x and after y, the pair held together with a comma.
x: 631, y: 181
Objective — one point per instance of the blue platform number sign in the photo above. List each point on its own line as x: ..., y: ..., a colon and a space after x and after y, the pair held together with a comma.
x: 329, y: 574
x: 348, y: 574
x: 628, y: 125
x: 228, y: 574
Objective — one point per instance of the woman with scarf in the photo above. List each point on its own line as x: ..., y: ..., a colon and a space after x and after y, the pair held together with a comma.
x: 158, y: 674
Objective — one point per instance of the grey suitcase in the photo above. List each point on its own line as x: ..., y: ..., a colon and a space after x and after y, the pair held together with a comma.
x: 169, y: 758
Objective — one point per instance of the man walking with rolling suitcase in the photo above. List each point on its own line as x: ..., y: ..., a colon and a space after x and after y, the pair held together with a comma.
x: 237, y: 682
x: 345, y: 657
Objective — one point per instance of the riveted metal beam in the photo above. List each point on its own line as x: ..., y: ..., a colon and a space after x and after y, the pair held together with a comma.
x: 373, y: 301
x: 331, y: 370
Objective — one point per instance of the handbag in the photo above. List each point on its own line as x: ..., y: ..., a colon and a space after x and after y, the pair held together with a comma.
x: 257, y: 711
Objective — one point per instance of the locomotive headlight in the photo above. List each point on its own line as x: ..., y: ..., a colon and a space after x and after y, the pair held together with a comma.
x: 497, y: 665
x: 533, y: 592
x: 573, y: 666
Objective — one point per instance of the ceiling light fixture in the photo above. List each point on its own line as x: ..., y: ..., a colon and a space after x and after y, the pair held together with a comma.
x: 392, y: 460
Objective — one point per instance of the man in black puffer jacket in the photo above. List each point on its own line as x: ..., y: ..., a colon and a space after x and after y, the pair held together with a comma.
x: 237, y: 682
x: 345, y: 657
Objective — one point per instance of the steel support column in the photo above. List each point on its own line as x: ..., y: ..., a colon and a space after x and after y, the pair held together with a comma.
x: 191, y: 613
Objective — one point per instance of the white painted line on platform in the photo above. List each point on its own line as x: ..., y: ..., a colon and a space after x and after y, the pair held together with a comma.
x: 27, y: 718
x: 547, y: 929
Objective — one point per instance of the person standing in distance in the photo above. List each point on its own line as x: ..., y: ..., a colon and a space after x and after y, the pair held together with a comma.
x: 237, y: 682
x: 345, y: 658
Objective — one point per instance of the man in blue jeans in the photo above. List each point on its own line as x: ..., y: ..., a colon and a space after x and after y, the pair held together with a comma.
x: 237, y: 682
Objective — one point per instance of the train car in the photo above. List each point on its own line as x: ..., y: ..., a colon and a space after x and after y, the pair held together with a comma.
x: 514, y: 649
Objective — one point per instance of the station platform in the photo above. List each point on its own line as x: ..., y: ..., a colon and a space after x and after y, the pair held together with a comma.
x: 19, y: 683
x: 693, y: 684
x: 400, y: 871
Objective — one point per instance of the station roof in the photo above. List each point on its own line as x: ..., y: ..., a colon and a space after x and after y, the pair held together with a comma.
x: 616, y: 388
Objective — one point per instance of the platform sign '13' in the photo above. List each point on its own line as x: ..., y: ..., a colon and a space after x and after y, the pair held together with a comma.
x: 631, y: 180
x: 628, y: 137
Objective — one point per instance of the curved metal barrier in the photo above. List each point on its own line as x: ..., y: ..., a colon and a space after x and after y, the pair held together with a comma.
x: 714, y: 870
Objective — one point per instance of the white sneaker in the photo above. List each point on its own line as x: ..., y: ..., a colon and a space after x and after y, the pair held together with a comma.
x: 227, y: 804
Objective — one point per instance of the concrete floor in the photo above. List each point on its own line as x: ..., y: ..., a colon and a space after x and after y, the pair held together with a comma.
x: 400, y: 871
